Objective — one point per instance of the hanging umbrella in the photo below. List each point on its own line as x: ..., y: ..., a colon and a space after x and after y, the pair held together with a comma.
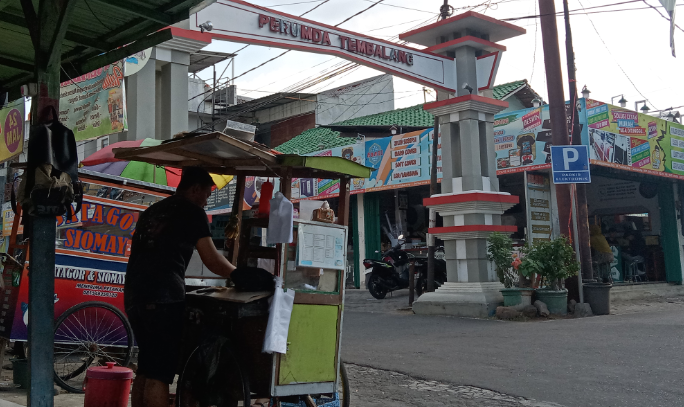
x: 103, y: 161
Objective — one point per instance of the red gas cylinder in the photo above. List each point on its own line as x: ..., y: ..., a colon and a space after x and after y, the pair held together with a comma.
x: 107, y: 386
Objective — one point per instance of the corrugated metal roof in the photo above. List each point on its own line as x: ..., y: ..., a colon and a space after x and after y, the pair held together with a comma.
x: 94, y: 28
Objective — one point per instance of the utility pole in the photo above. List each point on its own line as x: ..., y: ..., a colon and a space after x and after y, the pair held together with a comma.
x: 581, y: 198
x: 445, y: 12
x: 554, y: 84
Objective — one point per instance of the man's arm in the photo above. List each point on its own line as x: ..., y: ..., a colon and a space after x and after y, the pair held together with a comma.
x: 211, y: 258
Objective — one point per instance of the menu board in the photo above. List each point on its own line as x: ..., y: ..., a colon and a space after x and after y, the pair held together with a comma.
x: 539, y: 208
x: 320, y: 246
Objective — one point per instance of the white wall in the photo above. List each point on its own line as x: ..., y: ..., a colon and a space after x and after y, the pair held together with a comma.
x: 284, y: 111
x: 363, y: 98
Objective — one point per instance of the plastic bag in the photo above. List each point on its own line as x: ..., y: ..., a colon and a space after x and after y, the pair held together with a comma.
x: 279, y: 319
x: 279, y: 220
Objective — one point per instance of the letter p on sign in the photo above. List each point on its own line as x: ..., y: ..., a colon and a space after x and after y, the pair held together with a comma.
x: 569, y: 156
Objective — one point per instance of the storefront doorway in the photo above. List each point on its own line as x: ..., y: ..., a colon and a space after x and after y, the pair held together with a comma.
x: 635, y: 215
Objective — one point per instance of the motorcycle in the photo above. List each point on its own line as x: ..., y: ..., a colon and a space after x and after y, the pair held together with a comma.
x: 392, y: 272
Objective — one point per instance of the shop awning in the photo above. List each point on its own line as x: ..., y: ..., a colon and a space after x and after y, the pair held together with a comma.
x: 223, y: 154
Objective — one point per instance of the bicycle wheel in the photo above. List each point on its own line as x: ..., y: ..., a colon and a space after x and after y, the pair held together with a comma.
x: 213, y: 376
x: 91, y: 333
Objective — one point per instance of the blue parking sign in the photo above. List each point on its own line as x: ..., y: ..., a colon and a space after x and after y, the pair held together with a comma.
x: 570, y: 164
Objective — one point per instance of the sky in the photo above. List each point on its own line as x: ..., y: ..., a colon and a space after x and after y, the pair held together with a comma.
x: 619, y: 50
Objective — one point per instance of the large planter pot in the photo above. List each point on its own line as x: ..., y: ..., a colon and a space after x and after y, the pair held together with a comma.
x: 598, y: 297
x: 517, y: 296
x: 526, y: 294
x: 511, y: 296
x: 556, y: 301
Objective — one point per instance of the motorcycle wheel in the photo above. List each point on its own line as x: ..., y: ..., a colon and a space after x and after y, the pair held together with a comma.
x: 419, y: 286
x: 375, y: 289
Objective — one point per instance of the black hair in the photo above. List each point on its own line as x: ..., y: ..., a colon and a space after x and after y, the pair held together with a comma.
x: 194, y: 176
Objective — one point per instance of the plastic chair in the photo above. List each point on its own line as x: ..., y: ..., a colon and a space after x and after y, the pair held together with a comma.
x: 634, y: 272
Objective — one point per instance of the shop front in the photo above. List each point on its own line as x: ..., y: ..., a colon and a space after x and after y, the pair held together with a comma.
x: 634, y: 198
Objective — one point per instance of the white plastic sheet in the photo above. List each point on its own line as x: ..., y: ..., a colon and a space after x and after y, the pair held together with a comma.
x: 280, y: 220
x: 279, y: 319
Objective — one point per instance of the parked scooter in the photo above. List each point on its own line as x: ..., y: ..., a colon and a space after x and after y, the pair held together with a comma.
x: 392, y: 272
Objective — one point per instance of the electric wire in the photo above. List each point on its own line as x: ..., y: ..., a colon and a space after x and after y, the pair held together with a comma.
x: 661, y: 14
x: 362, y: 11
x: 614, y: 59
x: 534, y: 55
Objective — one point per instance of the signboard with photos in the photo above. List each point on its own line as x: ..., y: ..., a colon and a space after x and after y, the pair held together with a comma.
x: 399, y: 161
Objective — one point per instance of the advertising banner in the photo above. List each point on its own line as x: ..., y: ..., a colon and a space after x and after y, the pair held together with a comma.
x: 522, y: 140
x: 632, y: 141
x: 401, y: 161
x: 94, y: 104
x: 398, y: 161
x: 12, y: 129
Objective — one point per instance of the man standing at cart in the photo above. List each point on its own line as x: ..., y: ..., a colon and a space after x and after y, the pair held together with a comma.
x: 154, y: 293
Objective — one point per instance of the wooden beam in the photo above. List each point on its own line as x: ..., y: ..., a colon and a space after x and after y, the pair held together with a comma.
x: 237, y: 210
x: 15, y: 63
x: 343, y: 207
x: 54, y: 20
x: 123, y: 52
x: 31, y: 22
x: 19, y: 21
x: 139, y: 10
x: 4, y: 3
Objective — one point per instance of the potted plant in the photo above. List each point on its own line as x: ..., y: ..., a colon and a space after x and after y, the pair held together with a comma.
x: 500, y: 252
x: 555, y: 261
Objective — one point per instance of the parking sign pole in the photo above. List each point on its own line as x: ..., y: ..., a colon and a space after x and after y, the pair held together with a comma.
x: 578, y: 244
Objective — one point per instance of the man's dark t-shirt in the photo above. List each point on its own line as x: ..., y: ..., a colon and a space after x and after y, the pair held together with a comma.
x: 164, y: 239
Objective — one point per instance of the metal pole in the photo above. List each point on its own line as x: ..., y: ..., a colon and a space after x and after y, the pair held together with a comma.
x: 580, y: 287
x: 433, y: 215
x: 213, y: 99
x: 412, y: 282
x: 581, y: 189
x: 554, y: 83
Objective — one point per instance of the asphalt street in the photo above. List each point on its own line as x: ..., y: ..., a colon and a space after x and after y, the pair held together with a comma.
x: 630, y: 359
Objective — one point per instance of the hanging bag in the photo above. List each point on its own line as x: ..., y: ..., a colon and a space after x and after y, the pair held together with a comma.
x: 279, y: 316
x: 50, y: 183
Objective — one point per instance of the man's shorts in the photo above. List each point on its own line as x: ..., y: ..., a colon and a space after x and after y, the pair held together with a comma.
x: 158, y: 330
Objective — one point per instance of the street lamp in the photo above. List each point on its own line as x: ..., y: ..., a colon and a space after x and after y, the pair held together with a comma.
x: 622, y: 101
x: 644, y: 108
x: 585, y: 92
x: 536, y: 102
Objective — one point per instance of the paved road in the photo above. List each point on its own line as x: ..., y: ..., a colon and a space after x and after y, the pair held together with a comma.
x: 631, y: 359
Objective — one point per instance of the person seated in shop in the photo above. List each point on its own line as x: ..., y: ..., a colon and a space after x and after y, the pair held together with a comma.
x: 636, y: 245
x: 601, y: 252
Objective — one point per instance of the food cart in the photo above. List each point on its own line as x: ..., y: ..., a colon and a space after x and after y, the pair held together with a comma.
x: 223, y: 363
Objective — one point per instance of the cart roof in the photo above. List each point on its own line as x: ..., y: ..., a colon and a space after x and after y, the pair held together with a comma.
x: 223, y: 154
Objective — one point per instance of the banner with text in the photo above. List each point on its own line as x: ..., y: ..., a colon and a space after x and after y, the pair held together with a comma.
x: 12, y: 129
x: 624, y: 139
x: 398, y: 161
x: 94, y: 104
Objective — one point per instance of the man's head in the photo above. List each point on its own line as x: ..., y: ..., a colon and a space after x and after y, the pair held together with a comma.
x: 195, y: 185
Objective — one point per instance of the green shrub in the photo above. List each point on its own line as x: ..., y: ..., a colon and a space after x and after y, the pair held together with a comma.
x: 554, y: 260
x: 499, y: 249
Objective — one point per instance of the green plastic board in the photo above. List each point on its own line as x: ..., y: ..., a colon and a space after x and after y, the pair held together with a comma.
x: 312, y: 345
